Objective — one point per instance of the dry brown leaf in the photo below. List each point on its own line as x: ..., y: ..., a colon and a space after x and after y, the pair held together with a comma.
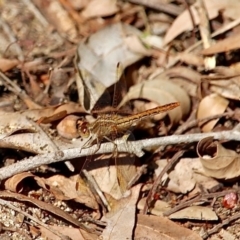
x: 224, y: 234
x: 100, y: 8
x: 225, y: 81
x: 161, y: 91
x: 218, y: 106
x: 183, y: 178
x: 157, y: 209
x: 217, y: 161
x: 51, y: 114
x: 235, y: 68
x: 126, y: 170
x: 97, y: 60
x: 209, y: 183
x: 54, y: 117
x: 183, y: 22
x: 61, y: 187
x: 36, y: 114
x: 191, y: 59
x: 15, y: 183
x: 107, y: 175
x: 65, y: 189
x: 196, y: 213
x: 19, y: 132
x: 67, y: 127
x: 161, y: 228
x: 184, y: 77
x: 182, y: 72
x: 232, y: 71
x: 227, y: 44
x: 227, y: 88
x: 7, y: 64
x: 121, y: 219
x: 69, y: 107
x: 48, y: 112
x: 72, y: 233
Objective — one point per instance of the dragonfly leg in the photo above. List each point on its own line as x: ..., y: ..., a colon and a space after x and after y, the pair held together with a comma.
x: 115, y: 145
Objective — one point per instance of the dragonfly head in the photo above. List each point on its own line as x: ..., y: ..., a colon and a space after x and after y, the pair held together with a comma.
x: 83, y: 129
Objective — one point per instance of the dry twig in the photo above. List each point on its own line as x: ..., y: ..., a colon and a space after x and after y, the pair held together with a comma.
x: 158, y: 180
x: 136, y: 146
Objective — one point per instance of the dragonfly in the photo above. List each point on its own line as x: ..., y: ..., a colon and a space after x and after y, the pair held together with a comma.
x: 109, y: 126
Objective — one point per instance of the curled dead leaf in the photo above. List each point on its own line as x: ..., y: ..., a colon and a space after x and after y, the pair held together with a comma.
x: 15, y: 183
x: 217, y: 161
x: 67, y: 127
x: 218, y: 105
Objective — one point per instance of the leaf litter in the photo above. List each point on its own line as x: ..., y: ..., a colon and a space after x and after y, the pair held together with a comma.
x: 58, y: 77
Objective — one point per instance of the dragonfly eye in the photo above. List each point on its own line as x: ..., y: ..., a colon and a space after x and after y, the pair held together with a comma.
x: 83, y: 129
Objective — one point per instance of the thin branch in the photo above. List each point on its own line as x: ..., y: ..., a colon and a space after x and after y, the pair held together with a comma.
x: 219, y: 226
x: 135, y: 147
x: 192, y: 19
x: 199, y: 198
x: 189, y: 138
x: 158, y: 180
x: 205, y: 32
